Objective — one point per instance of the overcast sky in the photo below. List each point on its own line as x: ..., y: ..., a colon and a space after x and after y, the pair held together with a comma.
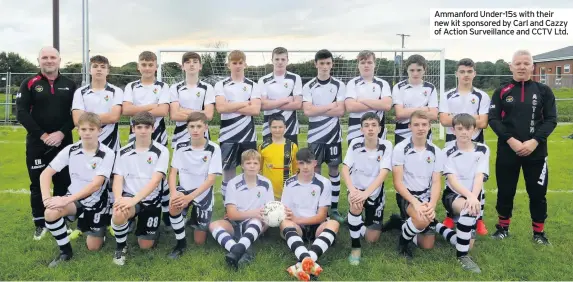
x: 122, y: 29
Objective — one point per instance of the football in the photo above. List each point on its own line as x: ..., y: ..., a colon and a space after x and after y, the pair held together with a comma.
x: 274, y: 213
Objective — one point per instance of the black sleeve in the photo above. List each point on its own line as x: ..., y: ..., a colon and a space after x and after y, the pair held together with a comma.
x: 24, y: 102
x: 69, y: 124
x: 549, y: 119
x: 494, y: 117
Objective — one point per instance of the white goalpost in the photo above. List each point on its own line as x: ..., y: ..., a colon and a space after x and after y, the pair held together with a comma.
x: 345, y: 66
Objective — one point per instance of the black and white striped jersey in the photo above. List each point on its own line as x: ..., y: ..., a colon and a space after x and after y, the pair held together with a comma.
x: 412, y: 96
x: 83, y: 168
x: 324, y: 129
x: 236, y: 127
x: 142, y: 95
x: 474, y: 103
x: 101, y: 102
x: 275, y: 87
x: 359, y: 88
x: 465, y: 165
x: 193, y: 98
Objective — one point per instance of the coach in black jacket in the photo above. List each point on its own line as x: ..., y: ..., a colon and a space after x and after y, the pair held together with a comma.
x: 44, y: 105
x: 523, y: 115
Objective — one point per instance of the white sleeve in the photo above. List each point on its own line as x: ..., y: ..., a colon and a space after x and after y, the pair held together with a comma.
x: 297, y: 90
x: 118, y: 96
x: 176, y: 160
x: 164, y: 96
x: 386, y: 91
x: 270, y: 195
x: 341, y: 92
x: 397, y: 96
x: 162, y: 162
x: 209, y: 95
x: 484, y: 104
x: 349, y: 157
x: 62, y: 159
x: 256, y: 91
x: 449, y: 166
x: 444, y: 108
x: 386, y: 161
x: 219, y: 90
x: 106, y: 165
x: 351, y: 90
x: 231, y: 193
x: 306, y: 97
x: 433, y: 102
x: 398, y: 156
x: 173, y: 94
x: 78, y: 102
x: 262, y: 87
x: 215, y: 164
x: 440, y: 159
x: 118, y: 165
x: 128, y: 93
x: 325, y: 196
x: 483, y: 163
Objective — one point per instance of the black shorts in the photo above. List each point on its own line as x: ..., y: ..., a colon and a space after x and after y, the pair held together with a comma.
x: 403, y: 206
x: 239, y: 228
x: 448, y: 198
x: 309, y: 232
x: 91, y: 222
x: 374, y: 211
x: 331, y: 154
x: 231, y: 153
x: 202, y: 210
x: 148, y: 219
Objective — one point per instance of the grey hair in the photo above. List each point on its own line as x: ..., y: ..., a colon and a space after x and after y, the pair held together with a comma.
x: 522, y: 53
x: 48, y: 48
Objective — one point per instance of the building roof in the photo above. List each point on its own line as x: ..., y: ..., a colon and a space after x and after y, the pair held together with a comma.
x: 565, y: 53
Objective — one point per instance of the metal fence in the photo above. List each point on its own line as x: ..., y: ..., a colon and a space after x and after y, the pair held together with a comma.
x: 10, y: 84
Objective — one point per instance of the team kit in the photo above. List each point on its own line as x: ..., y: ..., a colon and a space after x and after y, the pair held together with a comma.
x: 138, y: 186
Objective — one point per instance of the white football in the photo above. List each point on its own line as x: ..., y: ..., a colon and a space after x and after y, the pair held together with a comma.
x: 274, y: 213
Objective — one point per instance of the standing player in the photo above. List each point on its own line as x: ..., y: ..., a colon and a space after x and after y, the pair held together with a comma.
x: 465, y: 99
x: 139, y: 170
x: 366, y: 166
x: 246, y: 197
x: 306, y: 197
x: 90, y: 164
x: 523, y: 115
x: 278, y: 155
x: 323, y: 103
x: 366, y: 93
x: 101, y: 98
x: 413, y: 94
x: 149, y: 95
x: 281, y: 92
x: 188, y: 96
x: 197, y: 162
x: 466, y: 168
x: 43, y: 108
x: 417, y: 167
x: 238, y: 99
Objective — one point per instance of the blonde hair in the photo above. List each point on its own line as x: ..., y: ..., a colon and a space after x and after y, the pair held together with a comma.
x: 89, y: 118
x: 420, y: 114
x: 365, y: 54
x: 250, y: 154
x: 237, y: 55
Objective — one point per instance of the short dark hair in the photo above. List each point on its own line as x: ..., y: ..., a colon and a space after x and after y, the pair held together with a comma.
x: 147, y: 56
x: 276, y: 117
x: 465, y: 120
x: 99, y: 59
x: 365, y: 54
x: 305, y: 155
x: 322, y: 54
x: 197, y: 116
x: 190, y: 56
x: 278, y: 51
x: 144, y: 118
x: 417, y: 59
x: 368, y: 116
x: 466, y: 62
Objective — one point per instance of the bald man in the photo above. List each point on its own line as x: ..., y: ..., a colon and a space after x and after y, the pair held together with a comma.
x: 523, y: 115
x: 44, y: 104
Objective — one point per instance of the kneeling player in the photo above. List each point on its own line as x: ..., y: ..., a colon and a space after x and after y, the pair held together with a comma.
x: 365, y: 168
x: 90, y: 164
x: 306, y: 197
x: 466, y: 168
x: 246, y: 197
x: 139, y: 168
x: 417, y: 166
x: 197, y: 161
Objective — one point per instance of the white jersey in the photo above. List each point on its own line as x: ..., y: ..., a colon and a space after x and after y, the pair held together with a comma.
x: 191, y: 98
x: 304, y: 199
x: 275, y: 87
x: 142, y: 95
x: 359, y: 88
x: 412, y: 96
x: 101, y: 102
x: 245, y: 198
x: 365, y: 165
x: 237, y: 128
x: 418, y: 166
x: 465, y: 165
x: 474, y: 103
x: 324, y: 129
x: 195, y: 165
x: 137, y: 169
x: 83, y: 168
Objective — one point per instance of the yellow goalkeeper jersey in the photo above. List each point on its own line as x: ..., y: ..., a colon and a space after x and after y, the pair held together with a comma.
x: 273, y: 162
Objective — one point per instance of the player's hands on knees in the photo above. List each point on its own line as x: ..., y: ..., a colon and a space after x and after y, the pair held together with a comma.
x: 261, y: 213
x: 181, y: 201
x: 357, y: 205
x: 473, y: 206
x: 358, y: 196
x: 419, y: 208
x: 173, y: 199
x: 289, y: 214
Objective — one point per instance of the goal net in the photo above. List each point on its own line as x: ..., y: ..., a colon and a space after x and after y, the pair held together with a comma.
x: 389, y: 66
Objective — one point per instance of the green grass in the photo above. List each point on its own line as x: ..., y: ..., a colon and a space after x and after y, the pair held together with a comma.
x: 516, y: 258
